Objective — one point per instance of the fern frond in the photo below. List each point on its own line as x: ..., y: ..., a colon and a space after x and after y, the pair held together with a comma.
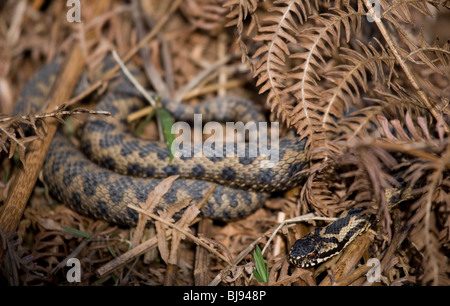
x: 319, y: 43
x: 205, y: 14
x: 278, y: 30
x: 239, y: 11
x: 429, y: 232
x: 349, y: 79
x: 400, y: 10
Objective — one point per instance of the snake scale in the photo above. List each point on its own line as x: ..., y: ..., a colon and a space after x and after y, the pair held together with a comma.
x: 113, y: 168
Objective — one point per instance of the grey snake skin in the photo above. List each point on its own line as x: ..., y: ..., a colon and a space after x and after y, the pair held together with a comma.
x: 113, y: 168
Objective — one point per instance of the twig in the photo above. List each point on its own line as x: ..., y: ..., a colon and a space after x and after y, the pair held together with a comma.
x: 349, y: 259
x: 307, y: 217
x: 141, y: 248
x: 56, y: 114
x: 202, y: 257
x: 141, y: 89
x: 154, y: 31
x: 252, y: 246
x: 126, y: 257
x: 210, y: 69
x: 22, y: 186
x: 212, y: 88
x: 152, y: 73
x: 187, y: 234
x: 133, y: 80
x: 426, y: 102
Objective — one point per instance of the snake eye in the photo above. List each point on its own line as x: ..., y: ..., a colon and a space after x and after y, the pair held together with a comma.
x: 312, y: 255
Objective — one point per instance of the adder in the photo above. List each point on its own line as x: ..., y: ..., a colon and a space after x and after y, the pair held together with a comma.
x: 113, y: 168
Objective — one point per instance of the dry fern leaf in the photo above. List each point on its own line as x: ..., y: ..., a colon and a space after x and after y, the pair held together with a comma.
x: 400, y: 10
x: 207, y: 15
x: 319, y: 43
x: 277, y: 30
x: 431, y: 230
x: 239, y: 11
x: 349, y: 79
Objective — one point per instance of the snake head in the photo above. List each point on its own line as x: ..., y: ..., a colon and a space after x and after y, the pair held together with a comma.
x: 305, y: 251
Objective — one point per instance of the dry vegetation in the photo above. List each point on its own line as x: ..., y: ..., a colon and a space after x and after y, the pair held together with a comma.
x: 372, y: 99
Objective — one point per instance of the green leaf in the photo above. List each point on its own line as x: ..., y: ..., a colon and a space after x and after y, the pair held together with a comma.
x: 77, y: 232
x: 110, y: 249
x: 261, y: 272
x: 167, y: 123
x: 144, y: 123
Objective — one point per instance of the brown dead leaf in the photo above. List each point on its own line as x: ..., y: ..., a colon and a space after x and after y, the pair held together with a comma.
x: 153, y: 199
x: 189, y: 215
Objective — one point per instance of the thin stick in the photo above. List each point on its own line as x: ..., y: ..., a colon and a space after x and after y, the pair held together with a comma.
x: 251, y: 246
x: 410, y: 76
x: 152, y: 73
x: 192, y: 84
x: 141, y: 89
x: 133, y: 80
x: 307, y: 217
x: 25, y: 180
x: 187, y: 234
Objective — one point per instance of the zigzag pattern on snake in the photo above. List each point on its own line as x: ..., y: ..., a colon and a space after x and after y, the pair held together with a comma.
x: 123, y: 169
x: 116, y: 169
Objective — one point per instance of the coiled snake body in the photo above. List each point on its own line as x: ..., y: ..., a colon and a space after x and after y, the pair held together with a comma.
x: 116, y: 169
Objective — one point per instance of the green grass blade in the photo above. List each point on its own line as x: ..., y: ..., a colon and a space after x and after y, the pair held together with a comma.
x: 261, y: 272
x: 167, y: 123
x: 77, y: 232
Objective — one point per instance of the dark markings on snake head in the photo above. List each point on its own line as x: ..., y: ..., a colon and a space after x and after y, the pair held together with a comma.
x: 305, y: 246
x: 171, y: 170
x: 198, y: 171
x: 228, y: 173
x: 108, y: 163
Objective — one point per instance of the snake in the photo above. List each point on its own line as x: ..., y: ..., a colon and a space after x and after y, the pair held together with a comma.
x: 112, y: 168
